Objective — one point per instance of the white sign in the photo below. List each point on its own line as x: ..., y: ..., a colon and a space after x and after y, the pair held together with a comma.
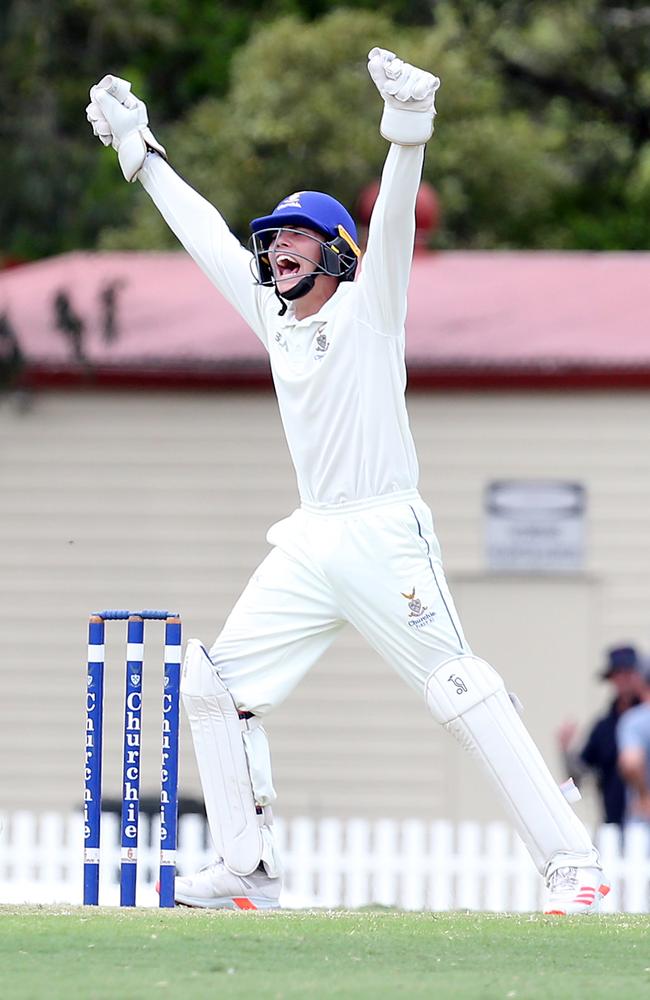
x: 535, y: 525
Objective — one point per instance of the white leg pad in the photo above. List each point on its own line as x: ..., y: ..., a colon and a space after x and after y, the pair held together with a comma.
x: 234, y: 765
x: 468, y: 697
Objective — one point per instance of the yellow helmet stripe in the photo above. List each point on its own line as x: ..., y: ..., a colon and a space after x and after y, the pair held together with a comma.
x: 348, y: 239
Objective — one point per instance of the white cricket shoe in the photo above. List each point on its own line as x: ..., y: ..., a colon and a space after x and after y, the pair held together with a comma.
x: 575, y: 890
x: 214, y: 887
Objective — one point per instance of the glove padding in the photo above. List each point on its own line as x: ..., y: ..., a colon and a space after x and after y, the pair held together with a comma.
x: 409, y: 98
x: 119, y: 119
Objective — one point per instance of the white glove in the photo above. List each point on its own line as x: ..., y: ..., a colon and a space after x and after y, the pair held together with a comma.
x: 409, y: 98
x: 119, y: 119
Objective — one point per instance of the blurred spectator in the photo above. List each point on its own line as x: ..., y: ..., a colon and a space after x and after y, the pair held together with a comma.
x: 600, y: 751
x: 633, y: 736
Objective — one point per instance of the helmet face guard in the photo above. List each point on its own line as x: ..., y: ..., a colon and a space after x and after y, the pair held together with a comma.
x: 338, y: 256
x: 338, y: 252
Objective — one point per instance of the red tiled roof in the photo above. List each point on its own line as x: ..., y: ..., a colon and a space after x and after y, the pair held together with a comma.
x: 470, y: 313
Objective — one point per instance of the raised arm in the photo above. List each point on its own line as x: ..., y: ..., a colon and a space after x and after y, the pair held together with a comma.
x: 407, y: 122
x: 120, y: 119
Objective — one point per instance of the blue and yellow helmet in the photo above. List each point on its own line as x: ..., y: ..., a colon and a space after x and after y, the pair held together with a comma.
x: 315, y: 210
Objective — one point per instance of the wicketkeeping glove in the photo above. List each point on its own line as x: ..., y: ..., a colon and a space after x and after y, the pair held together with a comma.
x: 119, y: 119
x: 409, y: 98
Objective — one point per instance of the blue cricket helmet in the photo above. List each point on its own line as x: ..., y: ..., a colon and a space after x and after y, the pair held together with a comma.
x: 313, y: 210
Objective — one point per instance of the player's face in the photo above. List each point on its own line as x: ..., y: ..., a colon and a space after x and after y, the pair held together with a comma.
x: 294, y: 252
x: 627, y: 683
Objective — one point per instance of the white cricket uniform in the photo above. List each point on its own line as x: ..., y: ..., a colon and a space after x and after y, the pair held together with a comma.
x: 361, y: 548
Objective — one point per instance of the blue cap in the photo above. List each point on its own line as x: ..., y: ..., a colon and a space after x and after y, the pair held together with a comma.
x: 311, y: 209
x: 620, y: 658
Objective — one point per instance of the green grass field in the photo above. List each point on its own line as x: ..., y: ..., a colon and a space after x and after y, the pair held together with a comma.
x: 71, y: 952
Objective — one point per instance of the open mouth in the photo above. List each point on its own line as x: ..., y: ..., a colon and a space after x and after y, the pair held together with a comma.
x: 286, y: 266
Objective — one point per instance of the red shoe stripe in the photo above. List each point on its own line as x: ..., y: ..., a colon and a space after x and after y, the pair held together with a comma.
x: 243, y: 903
x: 603, y: 889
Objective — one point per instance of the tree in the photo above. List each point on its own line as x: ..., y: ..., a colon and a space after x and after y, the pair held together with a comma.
x: 57, y: 193
x: 302, y: 112
x: 583, y: 66
x: 54, y: 189
x: 543, y: 136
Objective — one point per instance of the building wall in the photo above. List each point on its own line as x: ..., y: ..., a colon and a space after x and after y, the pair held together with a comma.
x: 132, y: 499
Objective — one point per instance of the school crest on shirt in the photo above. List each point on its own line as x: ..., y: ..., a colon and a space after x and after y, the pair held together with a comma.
x: 321, y: 341
x: 419, y: 614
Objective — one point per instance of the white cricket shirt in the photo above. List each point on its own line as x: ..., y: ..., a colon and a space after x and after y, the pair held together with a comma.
x: 340, y: 374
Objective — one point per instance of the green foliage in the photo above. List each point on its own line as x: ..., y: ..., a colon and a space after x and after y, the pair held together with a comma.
x: 584, y: 67
x: 53, y: 183
x: 58, y: 192
x: 542, y: 138
x: 302, y: 113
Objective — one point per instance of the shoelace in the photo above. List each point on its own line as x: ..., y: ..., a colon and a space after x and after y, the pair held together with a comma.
x: 563, y: 878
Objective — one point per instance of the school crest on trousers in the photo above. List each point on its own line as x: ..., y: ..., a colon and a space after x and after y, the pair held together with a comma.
x: 418, y: 615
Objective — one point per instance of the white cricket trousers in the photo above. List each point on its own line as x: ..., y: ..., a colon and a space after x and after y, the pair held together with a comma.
x: 375, y: 564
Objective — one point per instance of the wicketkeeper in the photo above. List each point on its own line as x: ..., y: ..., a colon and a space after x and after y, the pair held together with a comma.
x: 361, y: 547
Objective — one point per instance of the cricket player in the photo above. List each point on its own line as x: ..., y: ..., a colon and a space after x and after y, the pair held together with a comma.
x: 361, y: 547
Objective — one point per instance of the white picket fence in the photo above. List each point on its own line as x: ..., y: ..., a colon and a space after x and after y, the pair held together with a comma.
x: 411, y: 864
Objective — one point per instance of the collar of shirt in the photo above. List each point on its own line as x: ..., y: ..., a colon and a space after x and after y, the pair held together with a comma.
x: 323, y: 314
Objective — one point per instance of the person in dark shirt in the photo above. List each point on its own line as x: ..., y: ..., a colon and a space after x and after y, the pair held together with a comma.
x: 599, y: 753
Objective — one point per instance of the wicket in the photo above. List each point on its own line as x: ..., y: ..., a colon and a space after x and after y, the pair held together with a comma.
x: 131, y: 755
